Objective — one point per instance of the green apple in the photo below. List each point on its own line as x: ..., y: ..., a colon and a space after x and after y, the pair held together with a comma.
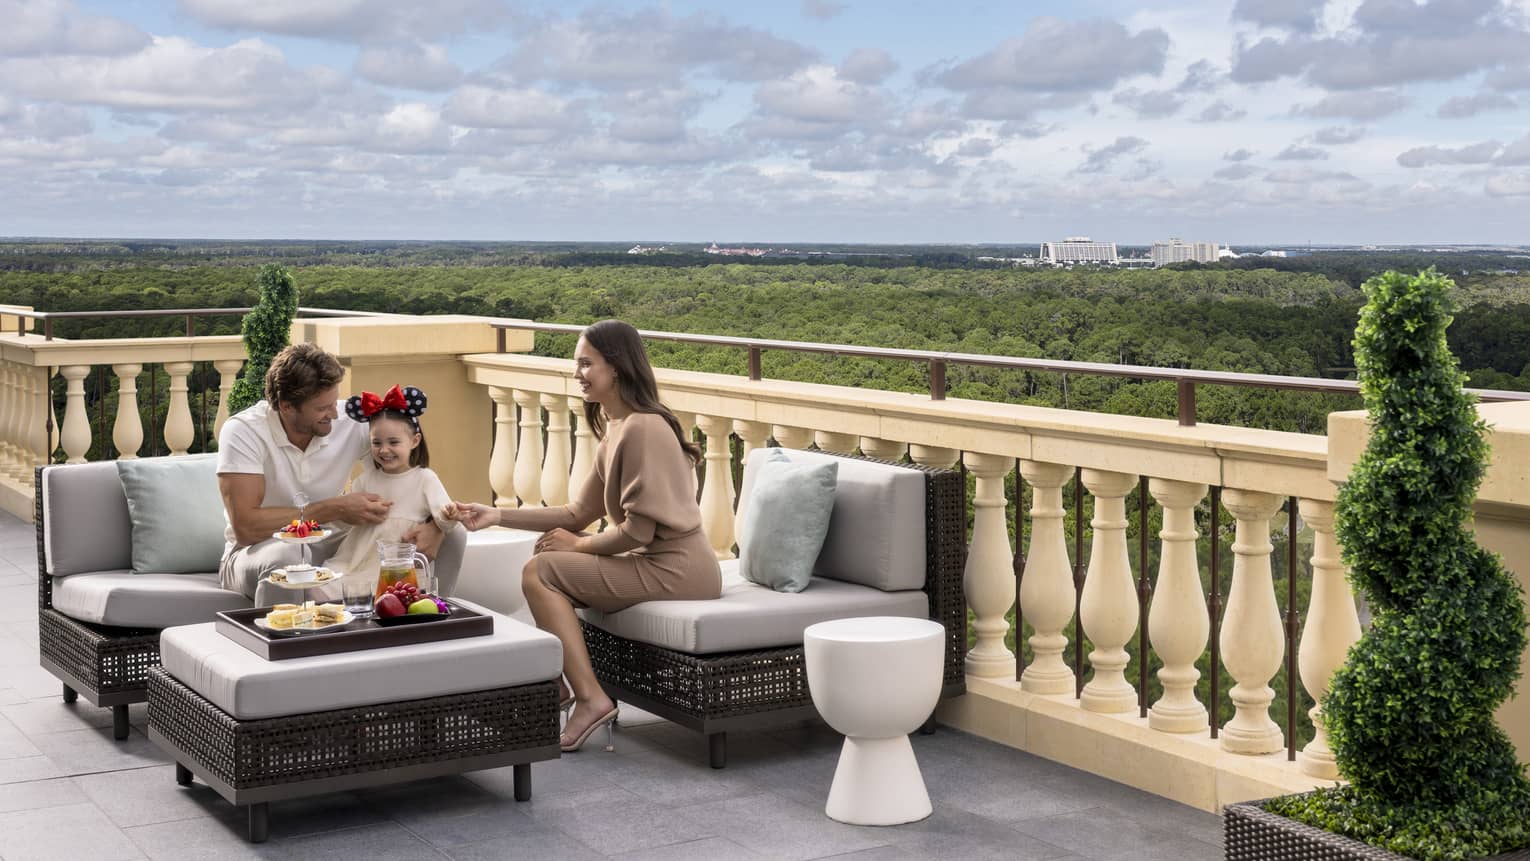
x: 424, y: 605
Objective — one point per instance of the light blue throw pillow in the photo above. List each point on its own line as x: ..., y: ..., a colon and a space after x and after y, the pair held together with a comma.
x: 785, y: 521
x: 176, y: 512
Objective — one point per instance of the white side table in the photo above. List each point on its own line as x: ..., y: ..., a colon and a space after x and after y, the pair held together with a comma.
x: 491, y: 570
x: 875, y: 679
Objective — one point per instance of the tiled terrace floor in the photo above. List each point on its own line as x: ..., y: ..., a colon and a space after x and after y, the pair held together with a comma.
x: 68, y: 791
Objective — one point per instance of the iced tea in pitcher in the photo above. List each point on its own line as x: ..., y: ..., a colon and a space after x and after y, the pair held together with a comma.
x: 400, y: 563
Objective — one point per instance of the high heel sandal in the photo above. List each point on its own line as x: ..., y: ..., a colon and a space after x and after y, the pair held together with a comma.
x: 565, y: 706
x: 608, y: 720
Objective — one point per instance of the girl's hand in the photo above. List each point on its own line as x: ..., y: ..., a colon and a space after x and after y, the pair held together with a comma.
x: 473, y: 515
x: 557, y: 539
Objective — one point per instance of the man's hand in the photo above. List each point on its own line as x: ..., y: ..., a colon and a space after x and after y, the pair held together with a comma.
x: 557, y: 539
x: 360, y: 508
x: 426, y: 538
x: 473, y: 515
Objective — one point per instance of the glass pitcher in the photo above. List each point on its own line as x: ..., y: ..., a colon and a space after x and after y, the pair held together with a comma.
x: 401, y: 563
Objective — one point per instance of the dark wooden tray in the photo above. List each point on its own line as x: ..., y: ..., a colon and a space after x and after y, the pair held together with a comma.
x: 239, y: 626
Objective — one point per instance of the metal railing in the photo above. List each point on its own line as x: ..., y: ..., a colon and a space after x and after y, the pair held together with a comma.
x: 47, y: 317
x: 1186, y: 379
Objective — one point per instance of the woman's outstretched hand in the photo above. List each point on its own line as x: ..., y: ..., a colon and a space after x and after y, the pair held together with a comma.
x: 473, y: 515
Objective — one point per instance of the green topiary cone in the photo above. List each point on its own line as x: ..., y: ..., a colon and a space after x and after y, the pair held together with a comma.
x: 266, y: 329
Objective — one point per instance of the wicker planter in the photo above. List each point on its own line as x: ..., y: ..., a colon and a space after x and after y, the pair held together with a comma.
x: 1251, y: 833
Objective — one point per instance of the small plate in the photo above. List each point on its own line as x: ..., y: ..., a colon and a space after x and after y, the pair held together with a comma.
x: 333, y: 576
x: 310, y: 538
x: 345, y: 619
x: 410, y: 619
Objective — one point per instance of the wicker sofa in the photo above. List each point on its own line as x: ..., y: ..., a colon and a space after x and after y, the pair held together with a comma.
x: 98, y: 622
x: 737, y: 663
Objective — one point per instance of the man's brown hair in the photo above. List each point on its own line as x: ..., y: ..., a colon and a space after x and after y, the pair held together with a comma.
x: 299, y: 372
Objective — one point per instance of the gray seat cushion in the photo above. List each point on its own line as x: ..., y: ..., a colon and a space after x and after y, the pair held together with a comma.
x: 85, y: 519
x: 877, y: 530
x: 249, y: 687
x: 751, y: 616
x: 129, y: 600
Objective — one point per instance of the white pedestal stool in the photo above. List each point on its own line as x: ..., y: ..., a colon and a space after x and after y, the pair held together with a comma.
x: 875, y: 679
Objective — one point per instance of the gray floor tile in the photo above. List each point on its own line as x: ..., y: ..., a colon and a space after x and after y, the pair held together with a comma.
x: 950, y: 832
x: 706, y: 849
x: 14, y: 743
x: 550, y: 778
x: 203, y: 839
x: 146, y: 796
x: 613, y: 821
x: 674, y: 780
x: 1102, y: 834
x: 319, y: 814
x: 68, y: 831
x: 375, y: 843
x: 87, y: 751
x: 774, y: 827
x: 540, y: 843
x: 28, y: 768
x: 40, y: 717
x: 39, y: 793
x: 878, y: 853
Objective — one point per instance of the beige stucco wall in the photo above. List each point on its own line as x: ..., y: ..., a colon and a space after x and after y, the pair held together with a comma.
x: 1502, y: 523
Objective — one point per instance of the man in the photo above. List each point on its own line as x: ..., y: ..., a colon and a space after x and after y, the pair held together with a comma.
x: 287, y: 458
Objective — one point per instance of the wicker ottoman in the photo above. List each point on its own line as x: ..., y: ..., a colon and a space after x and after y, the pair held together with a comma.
x: 258, y: 731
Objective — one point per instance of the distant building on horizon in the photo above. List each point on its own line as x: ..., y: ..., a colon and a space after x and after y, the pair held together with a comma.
x: 1175, y: 251
x: 1079, y: 249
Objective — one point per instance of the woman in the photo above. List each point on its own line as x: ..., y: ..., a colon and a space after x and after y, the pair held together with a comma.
x: 644, y: 483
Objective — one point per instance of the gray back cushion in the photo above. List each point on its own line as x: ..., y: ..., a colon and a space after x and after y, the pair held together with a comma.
x: 85, y: 519
x: 877, y: 530
x: 176, y: 511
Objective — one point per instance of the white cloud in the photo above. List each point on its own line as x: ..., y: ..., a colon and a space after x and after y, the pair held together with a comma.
x: 1360, y: 105
x: 1054, y: 55
x: 1424, y: 156
x: 173, y: 74
x: 351, y: 20
x: 1101, y: 159
x: 36, y: 28
x: 512, y: 108
x: 823, y: 10
x: 869, y: 66
x: 1508, y: 185
x: 1462, y: 107
x: 410, y: 65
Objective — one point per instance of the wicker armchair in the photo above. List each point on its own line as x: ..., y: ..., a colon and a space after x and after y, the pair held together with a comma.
x: 746, y: 690
x: 110, y: 666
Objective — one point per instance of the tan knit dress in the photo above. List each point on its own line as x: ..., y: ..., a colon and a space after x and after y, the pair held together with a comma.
x: 644, y: 483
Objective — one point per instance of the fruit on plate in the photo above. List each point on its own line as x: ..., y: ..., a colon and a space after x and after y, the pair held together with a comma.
x: 389, y: 606
x: 424, y: 605
x: 302, y: 528
x: 406, y: 593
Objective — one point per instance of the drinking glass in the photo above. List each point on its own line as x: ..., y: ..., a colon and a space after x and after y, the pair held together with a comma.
x: 359, y: 589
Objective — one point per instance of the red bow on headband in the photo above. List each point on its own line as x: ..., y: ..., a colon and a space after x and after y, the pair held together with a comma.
x: 393, y: 400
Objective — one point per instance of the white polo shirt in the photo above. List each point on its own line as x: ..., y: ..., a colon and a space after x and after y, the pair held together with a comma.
x: 253, y: 442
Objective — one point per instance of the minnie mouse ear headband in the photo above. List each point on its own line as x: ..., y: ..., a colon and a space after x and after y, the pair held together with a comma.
x: 407, y: 400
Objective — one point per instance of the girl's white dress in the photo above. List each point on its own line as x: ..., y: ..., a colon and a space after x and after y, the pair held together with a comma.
x: 416, y: 494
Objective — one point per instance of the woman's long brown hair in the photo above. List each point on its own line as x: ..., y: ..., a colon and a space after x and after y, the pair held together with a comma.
x: 621, y: 346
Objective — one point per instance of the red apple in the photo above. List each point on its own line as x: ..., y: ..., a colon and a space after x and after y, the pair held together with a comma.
x: 389, y: 606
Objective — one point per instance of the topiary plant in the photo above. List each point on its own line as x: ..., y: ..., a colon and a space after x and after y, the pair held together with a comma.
x: 266, y: 329
x: 1410, y: 714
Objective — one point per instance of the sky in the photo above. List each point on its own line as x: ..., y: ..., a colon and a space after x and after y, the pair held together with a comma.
x: 1234, y: 121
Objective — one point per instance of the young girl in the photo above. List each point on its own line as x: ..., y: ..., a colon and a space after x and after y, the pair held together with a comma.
x: 398, y: 471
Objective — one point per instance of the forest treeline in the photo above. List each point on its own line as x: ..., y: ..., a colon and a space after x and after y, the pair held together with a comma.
x: 1262, y: 320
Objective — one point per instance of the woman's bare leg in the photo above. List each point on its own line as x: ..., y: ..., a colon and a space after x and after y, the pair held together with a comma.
x: 555, y: 615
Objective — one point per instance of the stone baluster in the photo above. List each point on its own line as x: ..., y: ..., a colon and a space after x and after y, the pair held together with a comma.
x: 989, y: 577
x: 55, y: 431
x: 180, y: 430
x: 688, y: 429
x: 76, y: 431
x: 717, y: 491
x: 502, y: 457
x: 528, y: 455
x: 754, y: 435
x: 1332, y: 627
x: 790, y: 437
x: 558, y: 460
x: 584, y: 448
x: 1252, y: 637
x: 228, y: 374
x: 37, y: 434
x: 10, y: 408
x: 127, y: 428
x: 884, y: 449
x: 24, y: 415
x: 1109, y: 608
x: 929, y: 455
x: 1046, y: 592
x: 1178, y: 622
x: 843, y: 443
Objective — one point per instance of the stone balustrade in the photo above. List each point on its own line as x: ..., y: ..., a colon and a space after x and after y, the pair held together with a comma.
x: 32, y: 430
x: 1257, y: 471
